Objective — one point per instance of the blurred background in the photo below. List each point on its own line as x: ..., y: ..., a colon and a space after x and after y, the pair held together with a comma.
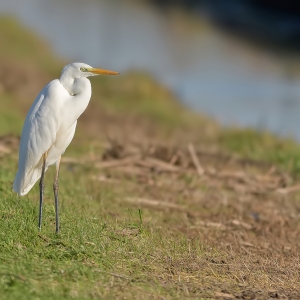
x: 237, y: 61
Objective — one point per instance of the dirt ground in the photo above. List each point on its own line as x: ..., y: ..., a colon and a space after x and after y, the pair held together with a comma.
x: 248, y: 210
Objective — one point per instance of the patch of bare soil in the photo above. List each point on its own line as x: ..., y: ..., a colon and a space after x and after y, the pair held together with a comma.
x: 246, y: 213
x: 247, y: 210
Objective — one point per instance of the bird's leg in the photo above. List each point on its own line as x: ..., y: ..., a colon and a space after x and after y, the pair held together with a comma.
x: 55, y: 190
x: 42, y: 190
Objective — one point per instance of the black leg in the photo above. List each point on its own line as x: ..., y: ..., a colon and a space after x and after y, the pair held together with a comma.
x: 42, y: 190
x: 55, y: 190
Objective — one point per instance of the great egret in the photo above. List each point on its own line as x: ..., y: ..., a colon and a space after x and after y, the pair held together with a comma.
x: 50, y: 126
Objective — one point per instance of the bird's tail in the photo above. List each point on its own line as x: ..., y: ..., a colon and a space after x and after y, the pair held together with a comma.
x: 24, y: 183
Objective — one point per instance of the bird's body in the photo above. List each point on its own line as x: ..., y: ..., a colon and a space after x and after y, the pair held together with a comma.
x: 55, y: 105
x: 51, y: 122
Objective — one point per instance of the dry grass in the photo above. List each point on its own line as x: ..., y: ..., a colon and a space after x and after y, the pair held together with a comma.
x: 243, y: 214
x: 157, y: 202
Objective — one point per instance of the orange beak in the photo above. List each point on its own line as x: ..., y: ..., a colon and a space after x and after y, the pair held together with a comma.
x: 102, y: 72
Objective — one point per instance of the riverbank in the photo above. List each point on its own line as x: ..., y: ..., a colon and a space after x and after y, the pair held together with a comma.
x: 156, y: 201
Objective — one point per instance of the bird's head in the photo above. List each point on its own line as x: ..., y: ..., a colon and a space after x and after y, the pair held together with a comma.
x: 78, y: 70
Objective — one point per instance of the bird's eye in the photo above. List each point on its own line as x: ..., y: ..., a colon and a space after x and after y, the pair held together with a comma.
x: 83, y: 69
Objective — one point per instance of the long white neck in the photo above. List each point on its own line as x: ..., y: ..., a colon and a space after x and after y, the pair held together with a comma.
x: 74, y: 85
x: 80, y: 93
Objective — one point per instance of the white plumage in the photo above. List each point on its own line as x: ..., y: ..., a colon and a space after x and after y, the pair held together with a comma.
x: 51, y: 122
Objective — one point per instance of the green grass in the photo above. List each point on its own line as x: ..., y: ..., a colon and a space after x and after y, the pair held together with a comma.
x: 263, y: 146
x: 138, y: 94
x: 11, y: 120
x: 109, y: 248
x: 23, y: 46
x: 96, y: 255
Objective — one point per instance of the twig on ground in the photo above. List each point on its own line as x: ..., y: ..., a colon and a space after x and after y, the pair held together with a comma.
x: 117, y: 162
x: 195, y: 159
x: 43, y: 238
x: 164, y: 166
x: 290, y: 189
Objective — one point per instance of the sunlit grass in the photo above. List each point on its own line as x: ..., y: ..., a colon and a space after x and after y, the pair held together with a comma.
x: 108, y: 248
x: 22, y: 45
x: 11, y: 120
x: 94, y: 252
x: 263, y: 146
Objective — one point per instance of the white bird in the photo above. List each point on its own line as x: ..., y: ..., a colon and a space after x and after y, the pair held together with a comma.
x: 50, y: 127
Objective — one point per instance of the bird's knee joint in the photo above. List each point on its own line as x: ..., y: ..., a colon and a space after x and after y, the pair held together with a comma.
x: 55, y: 186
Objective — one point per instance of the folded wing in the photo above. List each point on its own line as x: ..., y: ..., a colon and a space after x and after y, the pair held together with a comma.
x: 38, y: 135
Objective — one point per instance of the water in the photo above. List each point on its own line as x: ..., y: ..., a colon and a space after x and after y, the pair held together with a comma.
x: 234, y: 82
